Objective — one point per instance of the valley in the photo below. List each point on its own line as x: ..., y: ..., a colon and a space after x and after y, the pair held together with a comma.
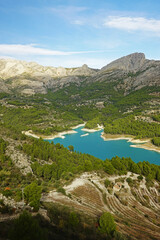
x: 67, y: 190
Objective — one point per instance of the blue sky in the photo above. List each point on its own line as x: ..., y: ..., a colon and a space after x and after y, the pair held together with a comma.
x: 70, y: 33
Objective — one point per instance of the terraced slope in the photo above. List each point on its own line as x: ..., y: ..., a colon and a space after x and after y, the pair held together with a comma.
x: 136, y: 208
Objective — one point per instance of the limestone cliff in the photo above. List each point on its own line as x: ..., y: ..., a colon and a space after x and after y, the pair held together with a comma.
x: 130, y: 63
x: 129, y: 73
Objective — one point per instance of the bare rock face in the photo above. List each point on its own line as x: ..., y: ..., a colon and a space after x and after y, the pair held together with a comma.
x: 28, y: 78
x: 134, y: 72
x: 11, y: 68
x: 130, y: 63
x: 83, y: 71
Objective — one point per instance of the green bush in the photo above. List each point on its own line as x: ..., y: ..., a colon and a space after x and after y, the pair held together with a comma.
x: 107, y: 224
x: 32, y: 194
x: 61, y: 190
x: 156, y: 141
x: 73, y: 220
x: 129, y: 180
x: 27, y: 228
x: 140, y: 178
x: 7, y: 193
x: 107, y: 183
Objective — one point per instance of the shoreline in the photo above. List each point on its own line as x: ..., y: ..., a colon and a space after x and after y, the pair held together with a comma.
x: 99, y: 128
x: 60, y: 135
x: 79, y: 125
x: 84, y: 135
x: 144, y: 143
x: 148, y: 146
x: 57, y: 135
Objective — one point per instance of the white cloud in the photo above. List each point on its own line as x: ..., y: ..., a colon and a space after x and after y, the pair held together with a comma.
x: 14, y: 50
x: 133, y: 24
x: 46, y: 57
x: 78, y: 22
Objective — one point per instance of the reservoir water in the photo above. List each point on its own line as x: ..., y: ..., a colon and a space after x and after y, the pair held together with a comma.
x: 93, y: 144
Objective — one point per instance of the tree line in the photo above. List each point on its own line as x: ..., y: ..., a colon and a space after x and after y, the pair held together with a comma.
x: 60, y: 162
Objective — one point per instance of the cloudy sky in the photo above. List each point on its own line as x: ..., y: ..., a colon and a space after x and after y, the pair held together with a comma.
x: 70, y: 33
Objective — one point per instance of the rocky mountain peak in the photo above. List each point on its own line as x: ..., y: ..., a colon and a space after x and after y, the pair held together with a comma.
x: 30, y: 77
x: 85, y: 66
x: 129, y: 63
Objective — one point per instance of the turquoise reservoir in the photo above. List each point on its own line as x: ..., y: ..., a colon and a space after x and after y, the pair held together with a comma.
x: 96, y: 146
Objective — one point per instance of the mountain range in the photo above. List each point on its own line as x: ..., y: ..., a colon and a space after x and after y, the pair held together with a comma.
x: 129, y: 73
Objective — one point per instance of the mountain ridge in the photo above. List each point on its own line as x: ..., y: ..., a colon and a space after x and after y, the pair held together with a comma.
x: 131, y: 62
x: 130, y: 72
x: 14, y: 67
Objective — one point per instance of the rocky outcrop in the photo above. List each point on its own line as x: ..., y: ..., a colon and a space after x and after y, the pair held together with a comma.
x: 21, y: 160
x: 130, y: 73
x: 130, y: 63
x: 30, y: 78
x: 10, y: 68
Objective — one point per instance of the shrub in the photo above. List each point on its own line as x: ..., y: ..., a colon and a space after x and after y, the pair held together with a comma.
x: 140, y: 178
x: 32, y: 194
x: 27, y: 228
x: 107, y: 183
x: 107, y: 224
x: 129, y: 180
x: 7, y: 192
x: 73, y: 220
x: 61, y: 190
